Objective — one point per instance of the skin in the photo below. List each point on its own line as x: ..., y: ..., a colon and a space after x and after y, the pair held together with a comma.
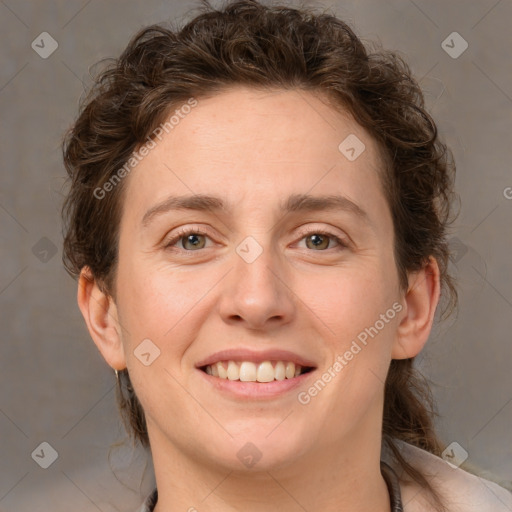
x: 253, y: 149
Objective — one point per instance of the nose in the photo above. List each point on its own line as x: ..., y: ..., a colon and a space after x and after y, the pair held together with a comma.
x: 257, y: 293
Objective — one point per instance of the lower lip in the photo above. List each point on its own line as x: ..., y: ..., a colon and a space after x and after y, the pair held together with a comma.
x: 256, y: 390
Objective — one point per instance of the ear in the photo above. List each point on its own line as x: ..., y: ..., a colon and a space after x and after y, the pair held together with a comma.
x: 421, y: 301
x: 100, y: 314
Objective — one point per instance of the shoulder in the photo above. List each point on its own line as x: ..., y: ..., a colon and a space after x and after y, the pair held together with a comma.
x: 460, y: 490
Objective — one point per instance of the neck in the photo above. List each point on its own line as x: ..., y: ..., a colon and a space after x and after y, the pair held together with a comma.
x: 350, y: 481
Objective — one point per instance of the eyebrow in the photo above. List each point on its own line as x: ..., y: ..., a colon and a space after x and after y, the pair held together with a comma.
x: 294, y: 203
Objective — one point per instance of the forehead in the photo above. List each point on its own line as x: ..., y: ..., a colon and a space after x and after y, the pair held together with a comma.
x: 255, y: 147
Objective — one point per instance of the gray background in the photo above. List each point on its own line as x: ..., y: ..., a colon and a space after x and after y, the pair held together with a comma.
x: 55, y: 386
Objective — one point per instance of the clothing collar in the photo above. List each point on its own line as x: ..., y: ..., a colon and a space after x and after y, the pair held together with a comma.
x: 391, y: 478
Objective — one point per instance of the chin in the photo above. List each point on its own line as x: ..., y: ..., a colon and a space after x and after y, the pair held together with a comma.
x: 259, y: 448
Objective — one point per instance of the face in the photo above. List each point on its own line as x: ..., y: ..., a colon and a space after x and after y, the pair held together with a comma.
x: 314, y: 284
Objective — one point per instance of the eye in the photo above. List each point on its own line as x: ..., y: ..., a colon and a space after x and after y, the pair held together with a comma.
x: 319, y: 240
x: 192, y: 237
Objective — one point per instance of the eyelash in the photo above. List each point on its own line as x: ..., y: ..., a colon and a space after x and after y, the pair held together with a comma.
x: 342, y: 244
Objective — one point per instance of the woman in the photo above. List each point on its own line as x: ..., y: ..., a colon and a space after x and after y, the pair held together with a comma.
x: 257, y: 217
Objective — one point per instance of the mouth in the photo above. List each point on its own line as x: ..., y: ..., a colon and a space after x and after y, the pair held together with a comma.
x: 246, y: 374
x: 249, y: 371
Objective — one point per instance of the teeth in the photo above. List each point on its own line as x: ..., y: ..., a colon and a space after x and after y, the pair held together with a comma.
x: 247, y: 371
x: 290, y: 370
x: 222, y: 372
x: 233, y: 371
x: 265, y: 372
x: 280, y: 371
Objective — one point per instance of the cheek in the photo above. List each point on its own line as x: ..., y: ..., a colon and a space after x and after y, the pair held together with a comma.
x: 163, y: 306
x: 357, y: 337
x: 362, y: 327
x: 347, y: 301
x: 159, y: 303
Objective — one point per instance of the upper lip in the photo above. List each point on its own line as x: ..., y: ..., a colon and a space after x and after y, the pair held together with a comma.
x: 256, y: 356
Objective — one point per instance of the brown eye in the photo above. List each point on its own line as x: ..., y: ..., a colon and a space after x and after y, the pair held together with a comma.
x: 188, y: 240
x: 194, y: 240
x: 320, y: 240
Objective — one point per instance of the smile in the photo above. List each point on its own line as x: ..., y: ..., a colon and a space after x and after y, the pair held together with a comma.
x: 248, y: 371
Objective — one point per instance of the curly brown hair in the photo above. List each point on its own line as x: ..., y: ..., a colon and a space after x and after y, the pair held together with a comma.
x: 247, y: 43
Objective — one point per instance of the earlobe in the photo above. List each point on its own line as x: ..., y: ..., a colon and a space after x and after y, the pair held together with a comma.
x: 100, y: 314
x: 421, y: 301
